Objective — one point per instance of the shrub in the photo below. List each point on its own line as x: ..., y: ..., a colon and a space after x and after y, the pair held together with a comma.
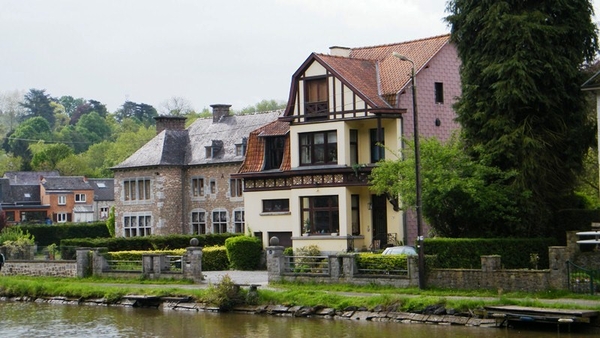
x: 244, y: 252
x: 379, y: 262
x: 225, y: 295
x: 214, y: 258
x: 53, y: 234
x: 289, y: 251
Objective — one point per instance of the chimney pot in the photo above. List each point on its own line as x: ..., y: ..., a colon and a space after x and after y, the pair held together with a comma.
x: 220, y: 111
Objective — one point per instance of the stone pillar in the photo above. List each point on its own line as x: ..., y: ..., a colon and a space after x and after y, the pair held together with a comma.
x: 491, y: 263
x: 412, y: 263
x: 192, y: 264
x: 558, y: 257
x: 153, y: 265
x: 335, y: 268
x: 98, y: 261
x: 84, y: 266
x: 349, y: 266
x: 275, y: 260
x: 572, y: 246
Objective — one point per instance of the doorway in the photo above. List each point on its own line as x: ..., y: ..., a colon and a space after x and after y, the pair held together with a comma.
x: 379, y: 221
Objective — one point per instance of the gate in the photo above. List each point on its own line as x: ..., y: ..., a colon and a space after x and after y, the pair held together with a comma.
x: 582, y: 280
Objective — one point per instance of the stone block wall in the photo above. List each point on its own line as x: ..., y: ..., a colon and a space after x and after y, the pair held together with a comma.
x: 40, y: 268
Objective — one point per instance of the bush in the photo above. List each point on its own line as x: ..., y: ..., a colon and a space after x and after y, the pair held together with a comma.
x: 53, y: 234
x: 379, y: 262
x: 289, y: 251
x: 225, y: 295
x: 215, y: 258
x: 244, y: 252
x: 466, y: 253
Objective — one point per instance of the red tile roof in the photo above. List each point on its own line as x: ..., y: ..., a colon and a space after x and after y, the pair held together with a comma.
x: 255, y: 148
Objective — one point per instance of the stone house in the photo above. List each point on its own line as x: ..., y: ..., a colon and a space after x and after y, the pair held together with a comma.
x: 306, y: 174
x: 104, y: 197
x: 180, y: 181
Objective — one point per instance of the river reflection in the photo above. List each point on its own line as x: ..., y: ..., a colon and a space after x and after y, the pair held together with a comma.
x: 19, y: 319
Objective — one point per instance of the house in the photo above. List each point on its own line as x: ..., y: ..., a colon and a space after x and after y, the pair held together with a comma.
x: 180, y: 181
x: 306, y: 174
x: 104, y: 197
x: 69, y: 198
x: 20, y: 198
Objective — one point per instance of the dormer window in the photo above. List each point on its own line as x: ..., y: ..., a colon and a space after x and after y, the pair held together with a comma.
x: 214, y: 150
x: 274, y: 152
x: 316, y: 103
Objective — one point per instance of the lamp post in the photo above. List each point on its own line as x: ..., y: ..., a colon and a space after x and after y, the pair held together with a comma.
x: 420, y: 249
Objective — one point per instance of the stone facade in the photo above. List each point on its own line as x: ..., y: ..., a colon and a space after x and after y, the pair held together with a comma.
x: 40, y: 268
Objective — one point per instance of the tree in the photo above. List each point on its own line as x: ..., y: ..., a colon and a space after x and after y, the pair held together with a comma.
x: 460, y: 197
x: 521, y: 107
x: 94, y: 127
x: 10, y: 162
x: 10, y: 109
x: 142, y: 112
x: 264, y: 105
x: 47, y: 156
x: 176, y: 106
x: 37, y: 103
x: 31, y: 131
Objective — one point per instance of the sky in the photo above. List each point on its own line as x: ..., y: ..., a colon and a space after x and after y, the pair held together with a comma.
x: 236, y: 52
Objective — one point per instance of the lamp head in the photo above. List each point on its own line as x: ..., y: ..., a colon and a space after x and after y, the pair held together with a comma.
x: 400, y: 56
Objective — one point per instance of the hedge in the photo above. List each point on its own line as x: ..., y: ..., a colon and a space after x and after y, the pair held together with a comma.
x: 244, y: 252
x: 214, y: 258
x: 45, y: 235
x: 68, y: 246
x: 466, y: 253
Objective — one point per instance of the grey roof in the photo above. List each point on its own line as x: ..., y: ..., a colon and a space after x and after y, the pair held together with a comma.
x: 188, y: 147
x: 67, y: 183
x: 28, y: 177
x: 104, y: 188
x: 19, y: 194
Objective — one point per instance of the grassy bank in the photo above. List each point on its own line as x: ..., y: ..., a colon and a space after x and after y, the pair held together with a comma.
x: 334, y: 296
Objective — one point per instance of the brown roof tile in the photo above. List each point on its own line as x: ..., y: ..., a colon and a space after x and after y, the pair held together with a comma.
x: 255, y: 148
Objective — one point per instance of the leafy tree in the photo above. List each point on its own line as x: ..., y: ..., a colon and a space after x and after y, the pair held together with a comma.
x: 142, y: 112
x: 128, y: 143
x: 70, y: 103
x: 9, y: 162
x: 460, y: 197
x: 32, y: 130
x: 94, y: 127
x: 521, y: 107
x: 74, y: 138
x: 263, y: 106
x: 75, y: 165
x: 47, y: 156
x: 37, y: 103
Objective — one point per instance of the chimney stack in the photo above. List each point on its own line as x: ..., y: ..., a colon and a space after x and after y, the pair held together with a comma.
x: 339, y: 51
x: 220, y: 111
x: 169, y: 123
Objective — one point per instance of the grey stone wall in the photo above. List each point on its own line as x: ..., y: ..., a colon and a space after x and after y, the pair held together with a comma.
x: 40, y: 268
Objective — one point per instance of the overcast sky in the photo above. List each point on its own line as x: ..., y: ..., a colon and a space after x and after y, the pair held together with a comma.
x: 235, y: 52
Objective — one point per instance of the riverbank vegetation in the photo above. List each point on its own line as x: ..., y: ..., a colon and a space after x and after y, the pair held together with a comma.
x: 338, y: 296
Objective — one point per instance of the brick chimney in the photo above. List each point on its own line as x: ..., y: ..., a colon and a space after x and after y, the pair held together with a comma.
x: 339, y: 51
x: 169, y: 123
x: 220, y: 111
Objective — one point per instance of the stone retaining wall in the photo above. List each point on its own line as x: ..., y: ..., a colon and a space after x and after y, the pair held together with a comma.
x: 40, y: 268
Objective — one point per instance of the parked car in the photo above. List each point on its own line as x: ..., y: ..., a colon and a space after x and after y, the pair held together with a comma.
x: 400, y: 250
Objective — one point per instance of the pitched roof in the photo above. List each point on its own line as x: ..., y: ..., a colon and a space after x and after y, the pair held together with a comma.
x: 67, y: 183
x: 593, y: 83
x: 256, y: 146
x: 28, y: 177
x: 104, y: 188
x: 188, y: 147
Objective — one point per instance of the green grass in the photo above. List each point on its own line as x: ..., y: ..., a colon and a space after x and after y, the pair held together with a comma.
x: 338, y: 296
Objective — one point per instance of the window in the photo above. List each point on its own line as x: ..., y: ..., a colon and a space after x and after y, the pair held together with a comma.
x: 209, y: 152
x: 316, y: 103
x: 103, y: 212
x: 236, y: 187
x: 10, y: 216
x: 353, y: 146
x: 219, y: 221
x: 439, y: 92
x: 213, y: 186
x: 62, y: 200
x: 137, y: 225
x: 79, y: 198
x: 198, y: 222
x: 238, y: 221
x: 274, y: 152
x: 377, y: 150
x: 321, y: 214
x: 354, y: 200
x: 197, y: 187
x: 136, y: 189
x: 61, y: 217
x: 276, y: 205
x: 318, y: 148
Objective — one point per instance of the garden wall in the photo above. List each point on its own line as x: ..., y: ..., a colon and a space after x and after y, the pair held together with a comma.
x: 40, y: 268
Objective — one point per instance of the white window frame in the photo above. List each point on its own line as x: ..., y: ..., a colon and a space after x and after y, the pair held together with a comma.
x: 239, y: 223
x: 80, y: 198
x: 198, y: 221
x: 219, y: 226
x: 62, y: 200
x: 61, y: 217
x: 137, y: 224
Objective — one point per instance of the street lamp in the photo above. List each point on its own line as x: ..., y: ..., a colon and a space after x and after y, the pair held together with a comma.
x: 420, y: 250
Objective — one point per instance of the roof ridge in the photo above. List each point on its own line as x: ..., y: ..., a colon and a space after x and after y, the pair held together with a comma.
x: 402, y: 43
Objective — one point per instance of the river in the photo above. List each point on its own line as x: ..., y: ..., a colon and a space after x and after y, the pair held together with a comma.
x: 20, y: 319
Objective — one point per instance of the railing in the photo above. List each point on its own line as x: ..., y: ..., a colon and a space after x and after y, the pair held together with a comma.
x: 121, y: 265
x: 385, y: 265
x: 174, y: 263
x: 581, y: 280
x: 307, y: 265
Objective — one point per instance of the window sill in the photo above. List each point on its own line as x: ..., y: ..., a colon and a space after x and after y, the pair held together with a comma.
x: 275, y: 213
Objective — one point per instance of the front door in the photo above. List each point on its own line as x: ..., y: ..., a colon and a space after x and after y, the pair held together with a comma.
x: 379, y: 221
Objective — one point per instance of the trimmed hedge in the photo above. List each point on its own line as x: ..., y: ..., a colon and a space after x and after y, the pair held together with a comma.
x: 214, y: 258
x: 381, y: 262
x: 52, y: 234
x: 465, y: 253
x: 244, y: 252
x: 147, y: 243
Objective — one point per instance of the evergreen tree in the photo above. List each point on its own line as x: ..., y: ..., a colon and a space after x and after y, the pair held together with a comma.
x: 521, y: 106
x: 37, y: 103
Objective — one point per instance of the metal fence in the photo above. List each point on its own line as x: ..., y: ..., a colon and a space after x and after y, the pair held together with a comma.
x: 373, y: 267
x: 307, y: 265
x: 582, y: 280
x: 122, y: 266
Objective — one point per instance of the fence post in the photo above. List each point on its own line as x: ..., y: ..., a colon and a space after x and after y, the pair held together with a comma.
x: 98, y: 261
x: 559, y: 274
x: 412, y: 265
x: 191, y: 264
x: 275, y: 260
x: 84, y: 266
x: 334, y: 267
